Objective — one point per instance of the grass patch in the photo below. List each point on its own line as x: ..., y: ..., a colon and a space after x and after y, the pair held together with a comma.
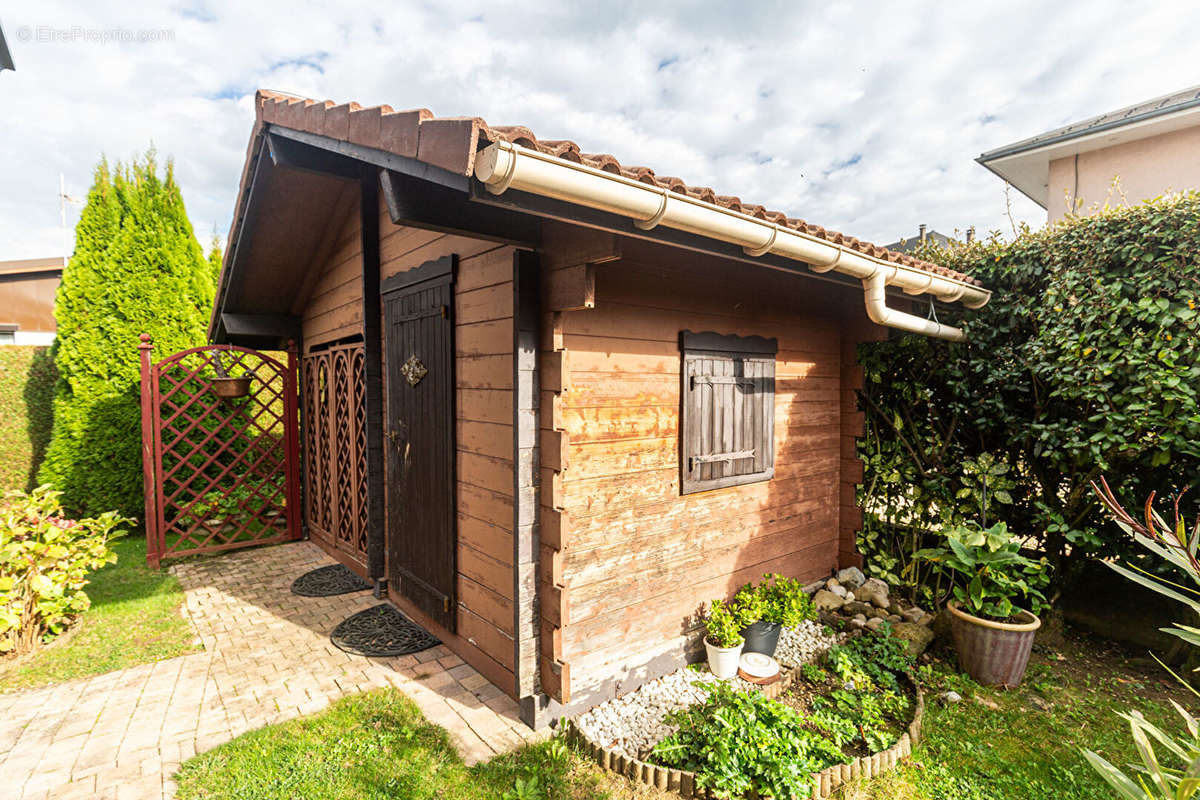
x: 1018, y: 745
x: 135, y: 618
x: 1025, y: 744
x: 377, y: 745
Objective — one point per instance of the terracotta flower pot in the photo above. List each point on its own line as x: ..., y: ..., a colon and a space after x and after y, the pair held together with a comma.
x: 762, y: 637
x: 231, y: 387
x: 723, y: 661
x: 993, y: 653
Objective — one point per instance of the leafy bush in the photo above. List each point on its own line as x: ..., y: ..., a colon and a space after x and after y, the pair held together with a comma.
x: 724, y: 623
x: 776, y: 599
x: 742, y: 744
x: 27, y: 380
x: 987, y: 571
x: 880, y: 657
x: 137, y: 268
x: 44, y: 562
x: 863, y: 714
x: 1083, y: 363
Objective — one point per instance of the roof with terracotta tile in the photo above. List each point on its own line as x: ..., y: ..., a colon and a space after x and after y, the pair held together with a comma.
x: 452, y: 142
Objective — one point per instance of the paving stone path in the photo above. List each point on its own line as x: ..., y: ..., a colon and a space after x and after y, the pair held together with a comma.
x: 267, y: 658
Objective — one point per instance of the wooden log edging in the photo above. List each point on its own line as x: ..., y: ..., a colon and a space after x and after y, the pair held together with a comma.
x: 826, y: 782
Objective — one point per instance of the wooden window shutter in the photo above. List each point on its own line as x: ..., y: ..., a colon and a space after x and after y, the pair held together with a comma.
x: 727, y: 398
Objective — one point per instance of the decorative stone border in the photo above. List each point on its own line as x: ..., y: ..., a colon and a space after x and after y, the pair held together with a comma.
x: 827, y: 780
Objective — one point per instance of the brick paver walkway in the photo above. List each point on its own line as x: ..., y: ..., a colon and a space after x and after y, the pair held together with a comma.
x: 267, y: 658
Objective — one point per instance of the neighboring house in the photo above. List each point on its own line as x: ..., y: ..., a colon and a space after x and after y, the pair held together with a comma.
x: 27, y: 289
x: 553, y: 404
x: 923, y: 237
x: 1150, y: 147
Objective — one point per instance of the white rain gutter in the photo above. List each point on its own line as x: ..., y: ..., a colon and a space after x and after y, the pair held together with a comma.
x: 503, y: 165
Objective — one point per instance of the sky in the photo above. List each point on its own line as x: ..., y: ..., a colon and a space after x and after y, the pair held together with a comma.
x: 863, y: 117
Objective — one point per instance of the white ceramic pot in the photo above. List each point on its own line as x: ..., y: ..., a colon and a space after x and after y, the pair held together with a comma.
x: 723, y: 661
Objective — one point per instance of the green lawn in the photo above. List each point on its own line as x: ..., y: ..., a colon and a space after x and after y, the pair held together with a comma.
x: 1027, y: 747
x: 377, y: 745
x: 991, y: 746
x: 135, y: 617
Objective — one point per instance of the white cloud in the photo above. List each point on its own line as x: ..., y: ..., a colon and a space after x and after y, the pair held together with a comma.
x: 863, y: 117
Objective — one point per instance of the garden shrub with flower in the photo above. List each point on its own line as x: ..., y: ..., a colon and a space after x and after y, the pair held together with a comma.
x: 45, y: 559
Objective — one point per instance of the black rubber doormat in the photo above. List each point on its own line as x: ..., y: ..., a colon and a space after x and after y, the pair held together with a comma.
x: 328, y: 581
x: 381, y: 631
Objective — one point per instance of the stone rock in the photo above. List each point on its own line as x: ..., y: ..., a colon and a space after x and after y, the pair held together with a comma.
x: 878, y: 613
x: 850, y: 595
x: 875, y: 586
x: 826, y: 600
x: 926, y: 620
x: 1039, y: 703
x: 917, y: 637
x: 832, y: 582
x: 861, y: 618
x: 991, y: 705
x: 913, y: 614
x: 839, y: 590
x: 878, y: 600
x: 951, y: 696
x: 894, y: 618
x: 851, y: 578
x: 856, y: 607
x: 875, y: 623
x: 858, y: 622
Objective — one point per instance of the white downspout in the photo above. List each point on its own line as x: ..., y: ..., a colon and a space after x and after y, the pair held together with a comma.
x: 874, y: 291
x: 503, y: 165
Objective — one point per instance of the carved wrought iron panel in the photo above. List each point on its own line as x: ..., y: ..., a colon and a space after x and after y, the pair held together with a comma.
x: 335, y: 449
x: 220, y: 450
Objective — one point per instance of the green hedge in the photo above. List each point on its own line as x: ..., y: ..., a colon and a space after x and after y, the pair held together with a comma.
x: 27, y: 378
x: 1083, y: 364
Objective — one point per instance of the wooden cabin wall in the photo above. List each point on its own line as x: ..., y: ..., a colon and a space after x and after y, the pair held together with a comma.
x: 634, y: 559
x: 333, y: 308
x: 484, y: 406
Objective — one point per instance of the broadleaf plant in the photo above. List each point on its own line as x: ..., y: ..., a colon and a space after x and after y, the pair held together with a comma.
x: 988, y: 572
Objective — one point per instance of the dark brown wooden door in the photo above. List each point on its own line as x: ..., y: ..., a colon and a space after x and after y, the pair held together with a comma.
x: 418, y: 318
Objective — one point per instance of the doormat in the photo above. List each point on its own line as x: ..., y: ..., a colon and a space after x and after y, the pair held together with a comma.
x: 328, y: 581
x: 381, y: 631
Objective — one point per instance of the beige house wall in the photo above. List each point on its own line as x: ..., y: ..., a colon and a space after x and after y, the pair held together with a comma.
x: 1147, y: 168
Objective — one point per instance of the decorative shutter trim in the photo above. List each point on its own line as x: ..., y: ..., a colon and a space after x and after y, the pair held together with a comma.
x: 727, y: 407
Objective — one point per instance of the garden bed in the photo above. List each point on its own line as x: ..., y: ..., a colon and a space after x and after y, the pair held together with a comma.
x: 862, y: 712
x: 825, y: 782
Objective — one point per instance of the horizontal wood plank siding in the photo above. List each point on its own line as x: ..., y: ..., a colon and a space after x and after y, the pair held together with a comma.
x: 483, y: 343
x: 334, y: 309
x: 633, y: 558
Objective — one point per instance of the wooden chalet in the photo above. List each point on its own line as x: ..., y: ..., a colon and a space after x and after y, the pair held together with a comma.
x: 551, y: 404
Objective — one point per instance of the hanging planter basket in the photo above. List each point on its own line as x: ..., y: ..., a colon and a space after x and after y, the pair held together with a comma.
x: 229, y: 388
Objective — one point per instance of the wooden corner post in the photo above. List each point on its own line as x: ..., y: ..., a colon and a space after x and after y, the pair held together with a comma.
x: 291, y: 405
x: 153, y: 543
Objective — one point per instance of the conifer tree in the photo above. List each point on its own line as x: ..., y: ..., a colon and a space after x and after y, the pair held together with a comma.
x: 137, y: 268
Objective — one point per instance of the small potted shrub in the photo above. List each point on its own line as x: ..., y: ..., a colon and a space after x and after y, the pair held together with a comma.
x: 988, y: 576
x: 723, y: 642
x: 774, y: 604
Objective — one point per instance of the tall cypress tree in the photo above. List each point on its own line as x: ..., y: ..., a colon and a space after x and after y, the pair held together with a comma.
x: 137, y: 268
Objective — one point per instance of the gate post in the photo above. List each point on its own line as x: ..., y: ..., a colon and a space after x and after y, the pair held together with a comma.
x: 153, y: 551
x: 291, y: 406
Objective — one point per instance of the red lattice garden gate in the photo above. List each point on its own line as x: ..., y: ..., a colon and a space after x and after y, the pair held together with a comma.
x: 220, y: 450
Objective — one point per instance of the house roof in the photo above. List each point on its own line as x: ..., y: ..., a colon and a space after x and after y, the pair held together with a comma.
x: 451, y: 143
x: 23, y: 266
x: 906, y: 245
x: 1025, y: 163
